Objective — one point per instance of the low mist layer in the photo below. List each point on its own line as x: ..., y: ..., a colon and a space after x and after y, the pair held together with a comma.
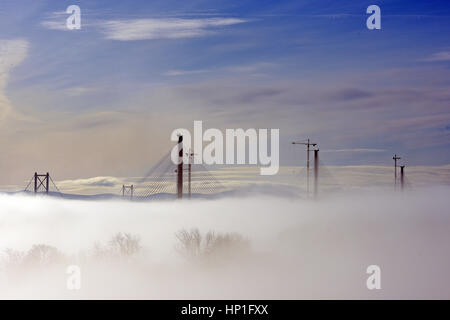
x: 257, y: 247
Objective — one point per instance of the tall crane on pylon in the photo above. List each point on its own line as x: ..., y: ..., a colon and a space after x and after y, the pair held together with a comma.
x: 308, y: 145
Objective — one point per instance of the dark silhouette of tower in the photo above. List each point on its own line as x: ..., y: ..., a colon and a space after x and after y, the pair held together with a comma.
x: 180, y: 168
x: 308, y: 145
x: 402, y: 177
x: 316, y: 172
x: 395, y: 158
x: 191, y: 159
x: 128, y: 190
x: 41, y: 181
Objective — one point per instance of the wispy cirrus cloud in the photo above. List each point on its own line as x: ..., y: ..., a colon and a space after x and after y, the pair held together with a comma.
x: 80, y: 90
x: 54, y: 25
x: 95, y: 181
x: 147, y: 28
x: 57, y: 21
x: 167, y: 28
x: 12, y: 53
x: 249, y: 68
x: 173, y: 73
x: 438, y: 57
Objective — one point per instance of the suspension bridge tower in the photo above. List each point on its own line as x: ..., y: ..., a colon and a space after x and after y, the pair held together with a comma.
x: 308, y: 145
x: 128, y: 191
x: 316, y: 172
x: 180, y: 168
x: 41, y: 182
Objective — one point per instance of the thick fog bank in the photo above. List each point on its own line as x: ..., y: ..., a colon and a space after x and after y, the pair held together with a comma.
x: 261, y: 247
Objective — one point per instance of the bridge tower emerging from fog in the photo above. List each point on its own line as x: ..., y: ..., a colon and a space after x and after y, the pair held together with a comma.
x: 402, y: 172
x: 180, y: 168
x: 128, y: 190
x: 41, y: 182
x: 316, y: 172
x: 402, y: 177
x: 395, y: 158
x: 191, y: 155
x: 308, y: 145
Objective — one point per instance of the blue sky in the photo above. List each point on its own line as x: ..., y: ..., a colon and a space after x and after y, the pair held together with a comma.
x: 116, y: 89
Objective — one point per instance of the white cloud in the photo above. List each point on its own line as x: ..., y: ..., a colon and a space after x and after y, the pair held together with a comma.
x: 173, y: 28
x: 249, y: 68
x: 172, y: 73
x: 12, y: 53
x: 96, y: 181
x: 438, y: 56
x: 56, y: 21
x: 145, y: 29
x: 55, y: 25
x: 80, y: 90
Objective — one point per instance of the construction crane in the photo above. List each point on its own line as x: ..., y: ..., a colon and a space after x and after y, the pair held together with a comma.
x: 395, y: 158
x: 191, y: 159
x: 308, y: 145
